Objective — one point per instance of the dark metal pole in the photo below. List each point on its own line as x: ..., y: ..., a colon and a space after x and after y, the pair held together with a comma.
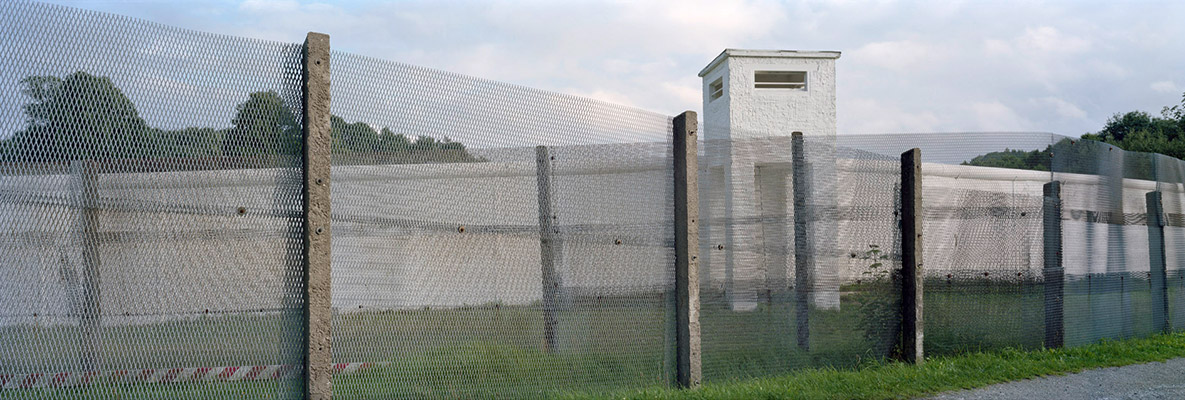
x: 1054, y: 273
x: 803, y: 260
x: 911, y: 257
x: 1156, y: 252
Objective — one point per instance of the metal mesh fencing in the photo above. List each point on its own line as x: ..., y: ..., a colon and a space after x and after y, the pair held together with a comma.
x: 982, y: 239
x: 494, y: 240
x: 796, y: 255
x: 982, y: 245
x: 150, y: 195
x: 1170, y: 178
x: 1105, y: 240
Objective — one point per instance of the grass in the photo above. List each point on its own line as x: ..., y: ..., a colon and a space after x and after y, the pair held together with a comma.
x: 884, y: 380
x: 605, y: 344
x: 517, y: 369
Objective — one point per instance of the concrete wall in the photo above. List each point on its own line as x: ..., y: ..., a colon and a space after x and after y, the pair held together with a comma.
x: 174, y: 245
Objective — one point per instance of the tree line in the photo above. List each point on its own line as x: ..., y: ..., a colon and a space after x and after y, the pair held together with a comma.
x: 83, y: 116
x: 1135, y: 131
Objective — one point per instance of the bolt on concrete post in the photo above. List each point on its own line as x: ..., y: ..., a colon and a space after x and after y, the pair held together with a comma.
x: 85, y: 175
x: 317, y: 232
x: 803, y: 262
x: 550, y: 247
x: 913, y: 337
x: 1054, y: 273
x: 1156, y: 253
x: 688, y: 367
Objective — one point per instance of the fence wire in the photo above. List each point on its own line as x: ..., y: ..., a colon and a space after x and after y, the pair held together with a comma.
x: 485, y: 250
x: 1108, y: 292
x: 150, y: 198
x: 1170, y: 180
x: 793, y: 278
x: 491, y: 240
x: 982, y: 239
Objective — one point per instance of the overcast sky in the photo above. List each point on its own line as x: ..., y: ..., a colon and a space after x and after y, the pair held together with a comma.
x: 1061, y: 67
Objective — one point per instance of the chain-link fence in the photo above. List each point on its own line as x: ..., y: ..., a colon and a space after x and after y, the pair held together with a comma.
x: 491, y: 240
x: 529, y: 253
x: 983, y: 238
x: 150, y: 199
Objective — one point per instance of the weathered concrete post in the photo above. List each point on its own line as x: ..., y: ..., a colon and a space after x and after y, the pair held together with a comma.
x: 688, y: 368
x: 1055, y: 275
x: 1156, y: 253
x: 803, y: 262
x: 550, y: 247
x: 317, y: 233
x: 90, y: 310
x: 912, y: 349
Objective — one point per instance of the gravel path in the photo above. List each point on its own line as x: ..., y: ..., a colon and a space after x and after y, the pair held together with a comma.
x: 1157, y: 380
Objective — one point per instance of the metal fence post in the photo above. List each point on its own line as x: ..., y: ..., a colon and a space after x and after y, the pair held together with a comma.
x: 550, y: 247
x: 1156, y: 253
x: 317, y: 234
x: 802, y: 246
x: 688, y: 369
x: 90, y: 310
x: 1055, y: 275
x: 912, y: 348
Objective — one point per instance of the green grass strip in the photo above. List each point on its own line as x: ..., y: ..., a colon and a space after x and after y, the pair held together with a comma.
x: 901, y: 381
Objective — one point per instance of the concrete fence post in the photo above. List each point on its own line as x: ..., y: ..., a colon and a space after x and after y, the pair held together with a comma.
x: 317, y: 233
x: 1156, y: 253
x: 913, y: 338
x: 803, y: 260
x: 550, y: 247
x: 1054, y: 273
x: 85, y: 174
x: 688, y: 367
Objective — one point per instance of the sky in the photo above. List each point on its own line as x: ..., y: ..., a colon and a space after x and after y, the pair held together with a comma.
x: 907, y: 67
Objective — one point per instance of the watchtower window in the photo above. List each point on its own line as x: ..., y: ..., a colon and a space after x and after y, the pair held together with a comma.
x: 793, y: 80
x: 716, y: 89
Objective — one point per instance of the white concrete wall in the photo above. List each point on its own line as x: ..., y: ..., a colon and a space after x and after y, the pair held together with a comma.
x: 178, y: 247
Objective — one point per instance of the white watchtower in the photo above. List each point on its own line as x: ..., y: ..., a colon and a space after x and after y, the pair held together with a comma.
x: 753, y: 101
x: 751, y: 93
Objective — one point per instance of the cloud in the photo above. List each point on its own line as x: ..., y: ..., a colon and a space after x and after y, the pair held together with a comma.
x: 887, y: 118
x: 706, y: 25
x: 898, y: 55
x: 1050, y: 39
x: 1165, y: 87
x: 269, y: 5
x: 1061, y: 107
x: 994, y: 116
x: 997, y: 47
x: 1008, y: 64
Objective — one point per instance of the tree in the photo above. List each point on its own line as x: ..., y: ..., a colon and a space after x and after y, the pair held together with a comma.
x: 76, y: 117
x: 359, y: 143
x: 263, y: 125
x: 1016, y: 159
x: 1138, y: 132
x: 357, y: 137
x: 191, y: 142
x: 83, y: 116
